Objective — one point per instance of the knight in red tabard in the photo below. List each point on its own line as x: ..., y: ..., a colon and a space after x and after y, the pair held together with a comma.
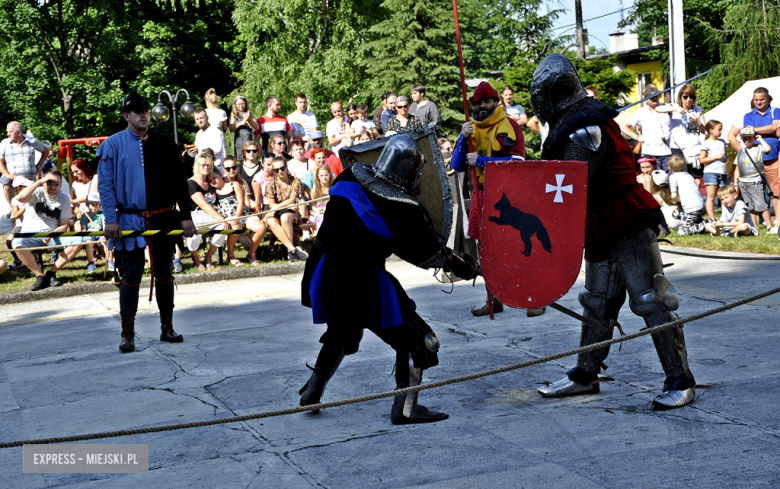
x: 622, y: 228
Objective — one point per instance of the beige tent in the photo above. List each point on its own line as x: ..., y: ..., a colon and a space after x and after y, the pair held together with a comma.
x: 732, y: 111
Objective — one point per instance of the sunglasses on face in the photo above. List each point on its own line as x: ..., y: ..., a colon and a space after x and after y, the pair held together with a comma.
x: 277, y: 170
x: 691, y: 97
x: 279, y: 142
x: 230, y: 168
x: 52, y: 184
x: 401, y: 106
x: 251, y: 151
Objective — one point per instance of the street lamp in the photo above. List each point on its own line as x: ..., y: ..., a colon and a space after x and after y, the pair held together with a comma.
x: 160, y: 112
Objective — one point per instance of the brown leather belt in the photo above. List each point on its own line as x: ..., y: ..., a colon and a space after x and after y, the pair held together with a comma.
x: 146, y: 215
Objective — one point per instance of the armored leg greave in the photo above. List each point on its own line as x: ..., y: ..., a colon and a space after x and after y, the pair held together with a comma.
x: 601, y: 299
x: 405, y: 408
x: 654, y: 299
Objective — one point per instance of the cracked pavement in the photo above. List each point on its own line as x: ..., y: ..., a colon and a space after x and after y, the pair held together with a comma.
x: 245, y: 351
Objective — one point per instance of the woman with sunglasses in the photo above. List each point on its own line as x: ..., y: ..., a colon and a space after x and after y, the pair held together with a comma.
x: 688, y: 124
x: 250, y: 166
x: 81, y: 175
x: 242, y: 122
x: 277, y: 146
x: 403, y: 121
x: 243, y: 206
x: 203, y: 205
x: 283, y: 191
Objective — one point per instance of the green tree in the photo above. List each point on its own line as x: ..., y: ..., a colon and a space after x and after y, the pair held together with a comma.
x: 598, y: 72
x: 520, y: 31
x: 748, y: 45
x: 298, y: 46
x: 64, y: 64
x: 415, y: 43
x: 701, y: 51
x: 53, y: 53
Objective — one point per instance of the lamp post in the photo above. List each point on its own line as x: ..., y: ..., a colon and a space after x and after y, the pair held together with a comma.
x: 160, y: 112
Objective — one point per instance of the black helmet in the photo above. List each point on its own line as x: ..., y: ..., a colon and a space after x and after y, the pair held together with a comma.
x: 400, y: 162
x: 555, y: 86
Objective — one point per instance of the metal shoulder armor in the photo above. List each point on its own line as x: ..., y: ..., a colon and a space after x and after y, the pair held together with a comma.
x: 588, y: 137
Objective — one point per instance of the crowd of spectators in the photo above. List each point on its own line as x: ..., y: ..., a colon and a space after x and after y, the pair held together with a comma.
x: 277, y: 183
x: 679, y: 151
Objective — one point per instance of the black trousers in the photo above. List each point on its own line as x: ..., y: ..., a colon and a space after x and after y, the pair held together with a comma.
x: 131, y: 268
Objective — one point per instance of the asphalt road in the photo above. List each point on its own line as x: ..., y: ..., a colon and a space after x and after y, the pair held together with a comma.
x: 245, y: 349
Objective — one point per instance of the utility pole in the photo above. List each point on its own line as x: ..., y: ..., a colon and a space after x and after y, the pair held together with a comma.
x: 676, y: 45
x: 580, y: 34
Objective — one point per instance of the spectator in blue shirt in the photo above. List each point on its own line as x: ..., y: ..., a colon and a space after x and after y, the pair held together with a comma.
x: 766, y: 120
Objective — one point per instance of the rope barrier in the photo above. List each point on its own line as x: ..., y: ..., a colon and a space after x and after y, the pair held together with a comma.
x: 383, y: 395
x: 665, y: 249
x: 126, y: 234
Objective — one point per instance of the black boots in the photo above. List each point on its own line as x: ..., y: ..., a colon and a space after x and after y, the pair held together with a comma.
x: 405, y: 408
x: 128, y: 334
x: 328, y: 361
x: 166, y: 325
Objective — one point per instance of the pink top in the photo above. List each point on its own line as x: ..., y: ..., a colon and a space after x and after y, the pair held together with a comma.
x: 262, y: 180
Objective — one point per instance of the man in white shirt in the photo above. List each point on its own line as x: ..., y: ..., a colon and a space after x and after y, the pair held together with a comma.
x: 302, y: 121
x: 48, y: 210
x: 336, y: 128
x: 656, y: 129
x: 208, y: 137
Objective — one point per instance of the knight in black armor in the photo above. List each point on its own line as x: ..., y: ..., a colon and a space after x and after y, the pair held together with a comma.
x: 372, y: 214
x: 623, y: 224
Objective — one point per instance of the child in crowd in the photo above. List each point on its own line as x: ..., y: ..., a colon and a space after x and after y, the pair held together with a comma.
x: 713, y: 155
x: 17, y: 213
x: 364, y: 137
x: 749, y: 171
x: 362, y: 124
x: 659, y: 188
x: 686, y: 194
x: 735, y: 218
x: 646, y: 167
x: 216, y: 116
x: 95, y: 220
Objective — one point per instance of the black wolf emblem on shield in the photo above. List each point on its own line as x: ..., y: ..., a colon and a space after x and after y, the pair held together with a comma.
x: 527, y: 224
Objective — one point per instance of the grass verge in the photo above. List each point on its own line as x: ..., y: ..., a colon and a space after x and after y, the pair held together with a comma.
x: 76, y: 270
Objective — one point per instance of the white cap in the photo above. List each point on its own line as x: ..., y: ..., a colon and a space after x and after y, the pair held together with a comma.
x: 661, y: 178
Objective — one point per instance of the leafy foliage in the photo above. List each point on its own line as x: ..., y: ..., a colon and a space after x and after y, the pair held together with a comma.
x: 302, y: 46
x: 64, y: 64
x: 748, y: 44
x: 598, y: 72
x: 520, y: 31
x: 701, y: 50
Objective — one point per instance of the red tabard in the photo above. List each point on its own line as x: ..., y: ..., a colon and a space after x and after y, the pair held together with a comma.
x: 615, y: 198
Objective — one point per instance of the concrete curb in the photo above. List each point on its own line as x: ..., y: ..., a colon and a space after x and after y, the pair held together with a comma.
x: 733, y: 255
x: 233, y: 273
x: 190, y: 278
